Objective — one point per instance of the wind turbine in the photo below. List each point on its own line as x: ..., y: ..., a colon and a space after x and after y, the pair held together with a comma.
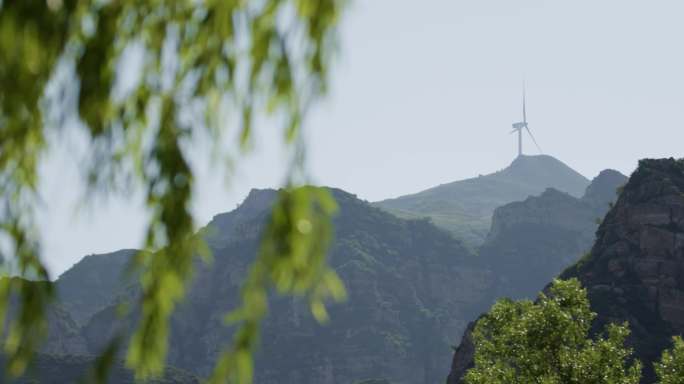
x: 518, y: 127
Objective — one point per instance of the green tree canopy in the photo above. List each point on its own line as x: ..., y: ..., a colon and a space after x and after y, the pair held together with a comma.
x: 208, y: 67
x: 548, y: 342
x: 670, y: 369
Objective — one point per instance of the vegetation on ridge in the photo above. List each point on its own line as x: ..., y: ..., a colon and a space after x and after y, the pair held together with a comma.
x: 412, y: 288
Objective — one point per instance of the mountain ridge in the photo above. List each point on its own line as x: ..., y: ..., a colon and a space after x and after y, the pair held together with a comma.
x: 413, y: 289
x: 533, y: 240
x: 411, y: 286
x: 465, y: 207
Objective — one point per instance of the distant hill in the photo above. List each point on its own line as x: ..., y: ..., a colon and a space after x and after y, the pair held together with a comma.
x: 412, y: 290
x: 64, y: 356
x: 532, y: 241
x: 465, y: 207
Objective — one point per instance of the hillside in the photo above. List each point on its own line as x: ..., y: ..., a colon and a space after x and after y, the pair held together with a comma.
x: 51, y: 369
x: 412, y: 290
x: 84, y: 289
x: 465, y: 207
x: 64, y: 356
x: 635, y: 270
x: 532, y: 241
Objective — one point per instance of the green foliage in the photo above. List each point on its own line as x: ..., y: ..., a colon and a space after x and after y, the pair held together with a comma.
x: 235, y: 56
x: 29, y: 324
x: 670, y: 369
x: 547, y: 342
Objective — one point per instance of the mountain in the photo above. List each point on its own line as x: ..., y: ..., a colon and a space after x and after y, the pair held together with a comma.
x: 412, y: 290
x: 92, y: 283
x: 601, y: 193
x: 51, y: 369
x: 465, y: 207
x: 635, y: 270
x: 532, y: 241
x: 412, y: 286
x: 64, y: 356
x: 63, y: 335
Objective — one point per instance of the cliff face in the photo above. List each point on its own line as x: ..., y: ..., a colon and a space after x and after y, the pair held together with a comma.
x: 412, y: 289
x: 465, y: 207
x: 635, y: 270
x: 532, y: 241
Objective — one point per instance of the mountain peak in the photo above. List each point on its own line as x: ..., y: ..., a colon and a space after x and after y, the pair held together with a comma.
x: 603, y: 188
x: 545, y: 171
x: 395, y: 271
x: 523, y: 159
x: 465, y: 207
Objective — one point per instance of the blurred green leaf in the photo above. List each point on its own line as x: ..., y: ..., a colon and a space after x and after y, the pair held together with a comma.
x: 229, y: 55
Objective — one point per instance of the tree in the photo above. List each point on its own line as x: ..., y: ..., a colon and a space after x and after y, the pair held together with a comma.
x: 670, y: 369
x: 203, y: 63
x: 547, y: 342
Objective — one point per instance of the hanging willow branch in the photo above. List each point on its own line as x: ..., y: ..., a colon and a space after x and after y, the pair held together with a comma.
x: 236, y: 58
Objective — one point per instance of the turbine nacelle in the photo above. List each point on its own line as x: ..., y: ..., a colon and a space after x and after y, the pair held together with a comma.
x: 519, y: 126
x: 522, y: 125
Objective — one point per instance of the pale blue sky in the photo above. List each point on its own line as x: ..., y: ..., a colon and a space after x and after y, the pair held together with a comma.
x: 425, y: 93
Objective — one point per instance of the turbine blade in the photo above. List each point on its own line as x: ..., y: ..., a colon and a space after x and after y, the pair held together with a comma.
x: 524, y: 112
x: 533, y: 139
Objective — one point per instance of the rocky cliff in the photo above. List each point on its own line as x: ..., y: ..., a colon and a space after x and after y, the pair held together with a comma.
x: 532, y: 241
x: 635, y: 270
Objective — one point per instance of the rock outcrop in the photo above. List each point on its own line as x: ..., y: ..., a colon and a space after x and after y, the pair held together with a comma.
x: 532, y: 241
x: 635, y: 270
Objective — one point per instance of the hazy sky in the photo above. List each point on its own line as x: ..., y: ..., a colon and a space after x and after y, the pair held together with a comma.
x: 425, y: 93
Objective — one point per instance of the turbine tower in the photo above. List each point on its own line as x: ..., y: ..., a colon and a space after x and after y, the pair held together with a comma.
x: 518, y: 127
